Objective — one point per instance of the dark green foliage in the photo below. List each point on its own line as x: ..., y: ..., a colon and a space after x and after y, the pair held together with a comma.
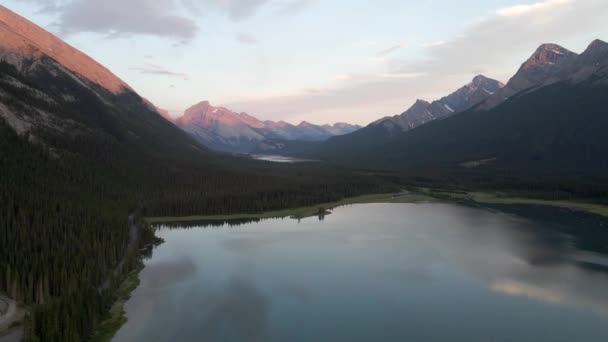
x: 547, y: 141
x: 66, y: 195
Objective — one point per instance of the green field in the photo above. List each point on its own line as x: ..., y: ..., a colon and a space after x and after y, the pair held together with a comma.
x: 485, y: 197
x: 503, y: 198
x: 303, y: 211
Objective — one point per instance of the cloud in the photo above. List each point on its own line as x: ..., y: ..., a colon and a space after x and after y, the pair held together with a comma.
x: 162, y: 18
x: 519, y: 10
x: 116, y: 18
x: 497, y: 44
x: 434, y: 44
x: 390, y: 50
x: 501, y: 42
x: 293, y: 7
x: 313, y: 90
x: 344, y: 77
x: 405, y: 75
x: 246, y: 38
x: 239, y: 10
x: 234, y: 9
x: 365, y: 97
x: 159, y: 70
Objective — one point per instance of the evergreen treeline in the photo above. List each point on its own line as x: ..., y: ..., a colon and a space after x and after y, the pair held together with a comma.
x: 549, y: 142
x: 64, y: 224
x: 68, y: 188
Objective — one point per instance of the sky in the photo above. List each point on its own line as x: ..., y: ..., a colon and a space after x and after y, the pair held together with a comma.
x: 322, y: 61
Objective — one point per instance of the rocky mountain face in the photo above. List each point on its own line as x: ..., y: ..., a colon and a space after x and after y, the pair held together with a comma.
x: 23, y: 43
x: 222, y: 129
x: 420, y: 113
x: 545, y: 62
x: 552, y: 129
x: 551, y: 64
x: 53, y: 94
x: 590, y: 66
x: 39, y: 55
x: 479, y: 89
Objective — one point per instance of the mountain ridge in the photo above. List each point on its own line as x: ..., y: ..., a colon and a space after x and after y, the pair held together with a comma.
x: 225, y: 130
x: 534, y: 72
x: 420, y: 113
x: 551, y: 130
x: 19, y: 39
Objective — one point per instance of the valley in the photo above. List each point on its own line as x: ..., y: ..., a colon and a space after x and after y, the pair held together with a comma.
x: 224, y: 130
x: 476, y: 210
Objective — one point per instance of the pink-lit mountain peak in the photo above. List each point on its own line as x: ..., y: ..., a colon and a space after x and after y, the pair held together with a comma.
x: 22, y: 40
x: 548, y: 54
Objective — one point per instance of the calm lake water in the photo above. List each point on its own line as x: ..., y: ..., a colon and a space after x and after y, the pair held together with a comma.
x: 280, y: 159
x: 379, y: 272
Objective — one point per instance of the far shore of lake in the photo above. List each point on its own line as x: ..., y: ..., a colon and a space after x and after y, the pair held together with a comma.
x: 420, y: 195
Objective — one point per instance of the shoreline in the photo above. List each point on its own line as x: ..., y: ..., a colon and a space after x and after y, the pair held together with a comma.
x: 301, y: 212
x: 420, y: 195
x: 588, y: 207
x: 116, y: 316
x: 478, y: 197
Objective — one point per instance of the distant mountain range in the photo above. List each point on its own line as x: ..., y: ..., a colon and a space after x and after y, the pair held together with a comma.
x: 479, y: 89
x: 84, y: 159
x: 421, y: 112
x: 548, y: 122
x: 222, y: 129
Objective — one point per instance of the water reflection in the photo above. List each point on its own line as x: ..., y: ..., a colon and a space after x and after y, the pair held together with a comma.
x: 433, y: 272
x: 238, y: 312
x: 281, y: 159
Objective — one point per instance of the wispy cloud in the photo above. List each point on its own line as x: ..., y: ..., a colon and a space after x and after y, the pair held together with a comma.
x: 159, y: 70
x: 497, y: 43
x: 390, y: 50
x: 313, y: 90
x: 519, y: 10
x: 512, y: 33
x: 293, y: 7
x: 344, y: 77
x: 246, y: 38
x: 403, y: 75
x: 235, y: 9
x: 115, y: 18
x: 118, y: 18
x: 434, y: 44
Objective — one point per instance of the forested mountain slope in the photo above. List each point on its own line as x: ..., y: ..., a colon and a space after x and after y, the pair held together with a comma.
x: 552, y: 134
x: 79, y: 152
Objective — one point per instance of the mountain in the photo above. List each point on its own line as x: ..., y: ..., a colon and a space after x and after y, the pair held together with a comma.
x: 552, y: 133
x: 49, y: 90
x: 84, y: 158
x: 420, y: 113
x: 479, y: 89
x: 22, y: 43
x: 547, y: 61
x: 222, y: 129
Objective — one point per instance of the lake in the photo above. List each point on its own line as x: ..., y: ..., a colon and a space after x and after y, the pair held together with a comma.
x: 280, y: 159
x: 379, y: 272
